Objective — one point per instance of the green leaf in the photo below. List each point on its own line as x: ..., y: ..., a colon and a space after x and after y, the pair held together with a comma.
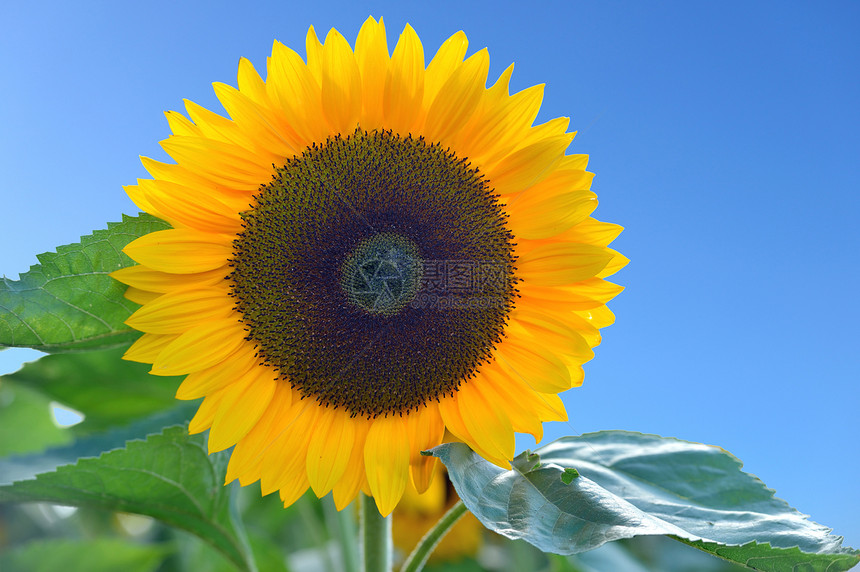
x: 632, y: 484
x: 765, y: 557
x: 169, y: 477
x: 197, y: 555
x: 20, y: 467
x: 567, y: 475
x: 26, y: 424
x: 106, y: 389
x: 68, y: 302
x: 649, y: 554
x: 99, y: 555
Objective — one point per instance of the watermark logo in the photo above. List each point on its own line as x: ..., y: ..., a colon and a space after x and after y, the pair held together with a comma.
x: 461, y: 285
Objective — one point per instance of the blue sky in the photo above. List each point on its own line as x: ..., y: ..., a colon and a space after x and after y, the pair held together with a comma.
x: 724, y: 137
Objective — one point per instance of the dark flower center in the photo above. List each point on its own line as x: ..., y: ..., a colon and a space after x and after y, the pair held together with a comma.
x: 374, y: 273
x: 382, y: 274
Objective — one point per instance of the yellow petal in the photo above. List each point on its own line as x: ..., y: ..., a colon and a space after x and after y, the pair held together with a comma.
x: 214, y: 126
x: 235, y: 202
x: 454, y: 417
x: 552, y: 129
x: 577, y: 162
x: 330, y: 448
x: 249, y: 450
x: 500, y: 123
x: 450, y: 412
x: 268, y: 130
x: 583, y: 295
x: 593, y: 231
x: 250, y: 83
x: 147, y: 347
x: 386, y: 460
x: 487, y: 421
x: 500, y: 388
x: 187, y: 207
x: 154, y: 281
x: 347, y: 488
x: 197, y: 210
x: 176, y: 174
x: 558, y: 202
x: 175, y: 312
x: 458, y: 98
x: 371, y: 54
x: 222, y: 163
x: 140, y: 198
x: 577, y: 375
x: 448, y: 58
x: 553, y: 334
x: 293, y: 487
x: 181, y: 125
x: 599, y: 317
x: 243, y: 403
x: 404, y: 86
x: 181, y: 250
x: 597, y: 290
x: 525, y: 167
x: 295, y: 91
x: 314, y: 49
x: 140, y: 296
x: 202, y: 420
x: 285, y: 461
x: 341, y: 85
x: 529, y: 361
x: 513, y: 390
x: 426, y: 430
x: 237, y: 366
x: 618, y: 262
x: 200, y: 347
x: 556, y: 264
x: 287, y: 456
x: 583, y: 321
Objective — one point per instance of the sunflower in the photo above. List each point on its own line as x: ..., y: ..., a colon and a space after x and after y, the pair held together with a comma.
x: 366, y: 253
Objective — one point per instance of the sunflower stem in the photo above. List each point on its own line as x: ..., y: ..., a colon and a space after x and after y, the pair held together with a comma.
x: 239, y: 526
x: 375, y: 538
x: 342, y: 525
x: 419, y: 556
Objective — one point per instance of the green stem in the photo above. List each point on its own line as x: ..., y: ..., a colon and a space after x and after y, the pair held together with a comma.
x: 342, y: 525
x: 316, y: 530
x: 418, y: 558
x: 375, y: 538
x: 239, y: 526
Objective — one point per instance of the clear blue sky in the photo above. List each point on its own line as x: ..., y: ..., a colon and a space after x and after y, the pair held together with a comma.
x: 724, y: 137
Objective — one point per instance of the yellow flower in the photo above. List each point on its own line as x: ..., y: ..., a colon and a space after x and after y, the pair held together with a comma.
x: 366, y: 253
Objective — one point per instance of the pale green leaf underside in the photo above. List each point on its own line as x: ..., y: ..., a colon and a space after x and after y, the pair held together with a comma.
x: 169, y: 477
x: 632, y: 484
x: 68, y: 302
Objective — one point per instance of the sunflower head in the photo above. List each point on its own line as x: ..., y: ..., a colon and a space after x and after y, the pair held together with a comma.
x: 369, y: 251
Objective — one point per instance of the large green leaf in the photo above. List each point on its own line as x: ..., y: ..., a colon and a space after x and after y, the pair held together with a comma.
x: 106, y: 389
x: 631, y: 484
x: 97, y: 555
x: 169, y: 477
x: 68, y: 302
